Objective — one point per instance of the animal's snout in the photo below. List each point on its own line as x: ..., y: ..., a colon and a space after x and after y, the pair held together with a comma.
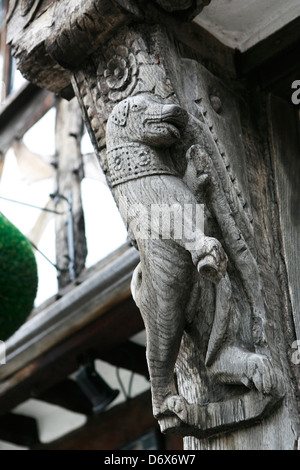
x: 174, y: 114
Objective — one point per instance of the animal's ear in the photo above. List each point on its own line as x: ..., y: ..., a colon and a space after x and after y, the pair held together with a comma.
x: 120, y: 113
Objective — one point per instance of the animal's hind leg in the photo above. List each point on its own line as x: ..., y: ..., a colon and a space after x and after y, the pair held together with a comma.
x: 162, y: 297
x: 162, y: 350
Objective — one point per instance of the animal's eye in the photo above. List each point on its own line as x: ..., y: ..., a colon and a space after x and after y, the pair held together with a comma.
x: 136, y: 107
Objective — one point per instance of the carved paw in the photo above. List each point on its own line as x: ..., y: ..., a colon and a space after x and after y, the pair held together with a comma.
x: 176, y: 405
x: 213, y: 264
x: 261, y: 373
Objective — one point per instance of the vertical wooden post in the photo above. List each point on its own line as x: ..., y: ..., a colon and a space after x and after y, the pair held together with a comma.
x: 71, y: 247
x: 230, y: 372
x: 7, y: 61
x: 166, y: 129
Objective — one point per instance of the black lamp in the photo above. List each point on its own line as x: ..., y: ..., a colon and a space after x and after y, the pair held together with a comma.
x: 98, y: 392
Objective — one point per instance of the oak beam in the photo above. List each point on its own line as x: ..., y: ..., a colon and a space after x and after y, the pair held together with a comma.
x: 55, y: 28
x: 128, y: 355
x: 110, y: 430
x: 7, y: 60
x: 105, y: 290
x: 259, y: 65
x: 111, y: 329
x: 68, y: 395
x: 270, y: 48
x: 71, y: 247
x: 19, y: 430
x: 20, y: 111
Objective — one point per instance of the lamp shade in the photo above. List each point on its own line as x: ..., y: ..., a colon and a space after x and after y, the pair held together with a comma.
x: 18, y: 278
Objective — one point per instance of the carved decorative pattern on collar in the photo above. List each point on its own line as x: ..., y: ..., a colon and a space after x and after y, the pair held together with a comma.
x: 135, y: 160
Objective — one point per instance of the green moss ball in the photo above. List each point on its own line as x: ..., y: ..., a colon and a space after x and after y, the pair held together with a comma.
x: 18, y: 278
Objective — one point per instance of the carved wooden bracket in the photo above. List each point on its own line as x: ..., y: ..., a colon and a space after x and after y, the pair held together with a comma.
x: 166, y: 139
x: 66, y: 32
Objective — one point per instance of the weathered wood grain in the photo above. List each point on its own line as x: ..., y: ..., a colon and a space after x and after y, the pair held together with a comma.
x: 71, y: 248
x: 167, y: 131
x: 284, y: 127
x: 61, y: 27
x: 38, y: 47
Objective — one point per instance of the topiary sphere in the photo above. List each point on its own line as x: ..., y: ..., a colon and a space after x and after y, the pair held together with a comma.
x: 18, y: 278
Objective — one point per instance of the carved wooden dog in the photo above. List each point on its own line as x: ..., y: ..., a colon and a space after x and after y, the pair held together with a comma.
x: 140, y: 132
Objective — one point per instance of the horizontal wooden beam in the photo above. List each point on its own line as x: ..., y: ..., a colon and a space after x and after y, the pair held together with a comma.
x: 197, y: 43
x: 273, y: 64
x: 55, y: 39
x: 110, y: 430
x: 277, y: 75
x: 20, y: 430
x: 90, y: 319
x: 128, y: 355
x: 72, y: 27
x: 57, y: 363
x: 273, y: 47
x: 20, y: 111
x: 68, y: 395
x: 81, y: 305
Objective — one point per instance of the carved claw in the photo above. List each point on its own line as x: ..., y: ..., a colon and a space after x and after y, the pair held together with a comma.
x: 261, y: 373
x: 177, y: 405
x: 213, y: 265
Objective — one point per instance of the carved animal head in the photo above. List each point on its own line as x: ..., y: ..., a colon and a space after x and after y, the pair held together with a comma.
x: 145, y: 118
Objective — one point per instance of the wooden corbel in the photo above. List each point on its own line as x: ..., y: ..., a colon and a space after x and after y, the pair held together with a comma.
x: 165, y: 137
x: 49, y: 37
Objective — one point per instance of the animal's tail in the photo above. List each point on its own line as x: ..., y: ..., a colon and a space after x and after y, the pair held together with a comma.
x: 236, y: 245
x: 221, y: 319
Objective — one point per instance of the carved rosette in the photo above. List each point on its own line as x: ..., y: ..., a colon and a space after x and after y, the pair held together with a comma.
x: 126, y: 66
x: 120, y: 75
x: 130, y: 67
